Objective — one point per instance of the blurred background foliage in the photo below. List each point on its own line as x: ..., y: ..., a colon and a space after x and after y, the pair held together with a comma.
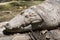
x: 19, y: 0
x: 9, y: 8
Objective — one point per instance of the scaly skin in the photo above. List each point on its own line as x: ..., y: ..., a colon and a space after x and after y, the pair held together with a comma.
x: 46, y: 13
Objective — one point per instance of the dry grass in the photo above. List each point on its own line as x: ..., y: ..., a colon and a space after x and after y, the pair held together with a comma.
x: 14, y: 8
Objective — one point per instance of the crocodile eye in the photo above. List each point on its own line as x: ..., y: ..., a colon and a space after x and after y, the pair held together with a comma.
x: 21, y: 13
x: 26, y: 16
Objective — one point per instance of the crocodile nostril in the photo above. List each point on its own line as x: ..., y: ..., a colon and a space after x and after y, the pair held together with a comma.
x: 47, y: 38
